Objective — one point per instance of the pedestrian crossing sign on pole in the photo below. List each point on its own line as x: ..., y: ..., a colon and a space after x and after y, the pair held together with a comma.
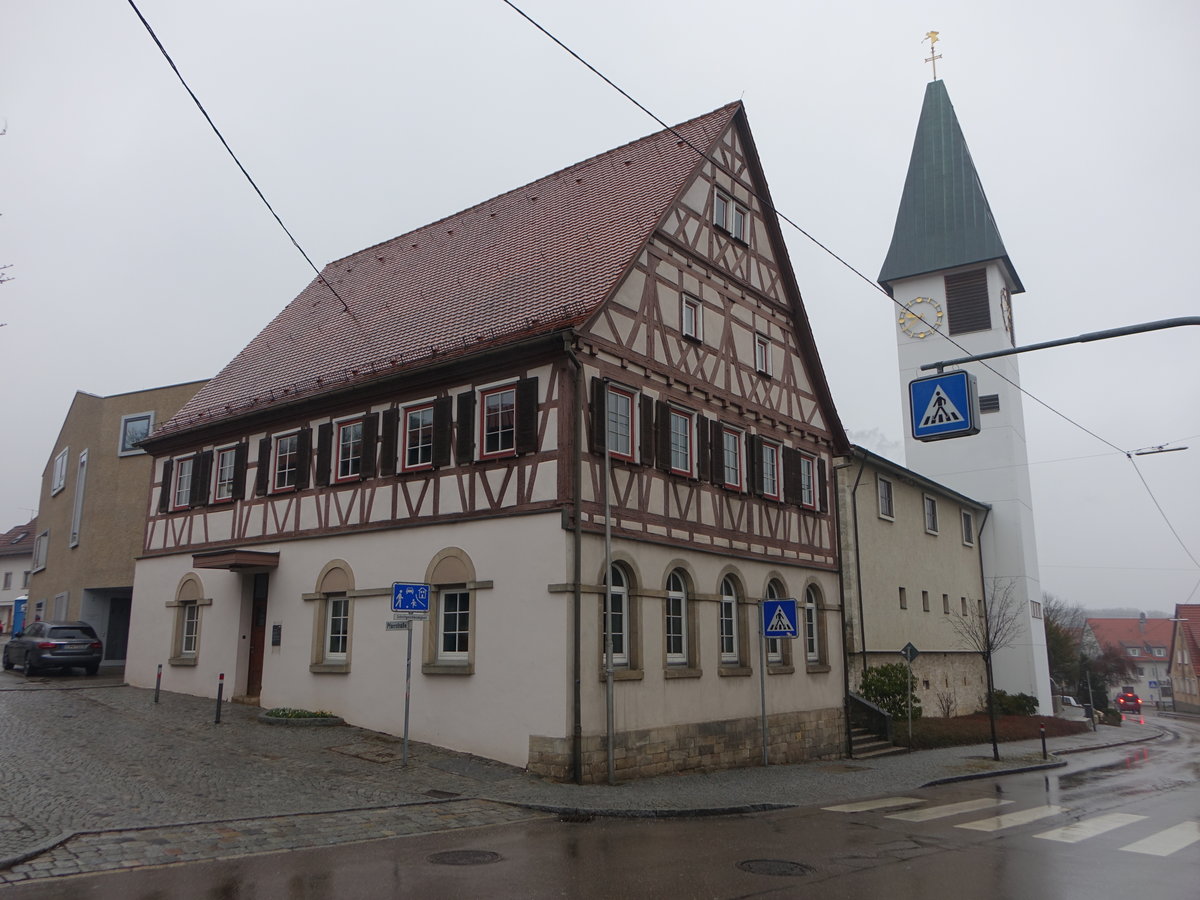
x: 780, y: 619
x: 944, y: 406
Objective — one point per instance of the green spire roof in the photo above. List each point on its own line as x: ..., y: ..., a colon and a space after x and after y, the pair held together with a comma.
x: 944, y: 219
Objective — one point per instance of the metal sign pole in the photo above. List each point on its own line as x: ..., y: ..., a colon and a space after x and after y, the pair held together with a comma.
x: 407, y: 688
x: 762, y: 675
x: 909, y: 692
x: 609, y: 700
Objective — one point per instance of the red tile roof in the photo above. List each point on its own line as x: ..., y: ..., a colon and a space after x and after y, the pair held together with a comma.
x: 1124, y: 633
x: 18, y: 541
x: 534, y: 260
x: 1189, y: 631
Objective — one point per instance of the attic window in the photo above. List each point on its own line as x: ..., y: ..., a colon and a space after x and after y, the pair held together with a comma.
x: 20, y: 537
x: 730, y: 216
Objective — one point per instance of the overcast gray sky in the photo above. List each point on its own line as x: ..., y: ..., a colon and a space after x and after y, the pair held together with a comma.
x: 140, y: 256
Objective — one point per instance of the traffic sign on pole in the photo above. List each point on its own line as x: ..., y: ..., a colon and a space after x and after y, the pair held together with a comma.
x: 944, y: 406
x: 412, y: 598
x: 780, y: 619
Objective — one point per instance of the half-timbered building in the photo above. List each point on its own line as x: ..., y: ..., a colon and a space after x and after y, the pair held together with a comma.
x: 440, y: 409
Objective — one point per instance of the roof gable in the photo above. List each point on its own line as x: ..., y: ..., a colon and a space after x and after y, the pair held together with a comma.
x: 944, y: 220
x: 1126, y: 633
x: 534, y: 260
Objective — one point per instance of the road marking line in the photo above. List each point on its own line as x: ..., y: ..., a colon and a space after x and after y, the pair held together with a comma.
x: 1087, y: 828
x: 866, y: 805
x: 950, y: 809
x: 1167, y: 841
x: 1011, y: 820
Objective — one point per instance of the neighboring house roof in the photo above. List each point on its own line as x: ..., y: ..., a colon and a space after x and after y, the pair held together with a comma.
x: 533, y: 261
x: 18, y: 541
x: 944, y: 219
x: 899, y: 471
x: 1126, y: 633
x: 1189, y: 632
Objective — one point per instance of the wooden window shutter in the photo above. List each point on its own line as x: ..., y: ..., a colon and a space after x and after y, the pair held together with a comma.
x: 703, y: 450
x: 716, y: 440
x: 754, y: 464
x: 442, y: 408
x: 967, y: 306
x: 793, y: 488
x: 527, y: 419
x: 164, y: 495
x: 239, y: 470
x: 201, y: 468
x: 262, y: 476
x: 303, y: 456
x: 646, y: 435
x: 465, y: 448
x: 370, y: 439
x: 324, y: 453
x: 662, y: 448
x: 822, y: 486
x: 387, y: 443
x: 598, y: 434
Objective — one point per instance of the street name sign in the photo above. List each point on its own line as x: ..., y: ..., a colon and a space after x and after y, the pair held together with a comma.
x: 780, y: 619
x: 944, y: 406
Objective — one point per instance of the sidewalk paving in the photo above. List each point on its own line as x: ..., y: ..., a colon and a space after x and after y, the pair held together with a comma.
x: 162, y: 783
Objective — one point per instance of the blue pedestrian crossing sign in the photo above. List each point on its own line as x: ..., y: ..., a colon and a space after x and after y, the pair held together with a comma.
x: 780, y: 619
x: 410, y: 598
x: 944, y: 406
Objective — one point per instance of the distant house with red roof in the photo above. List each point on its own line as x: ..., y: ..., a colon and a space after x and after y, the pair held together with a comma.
x: 605, y: 377
x: 1145, y: 644
x: 16, y: 563
x: 1185, y: 657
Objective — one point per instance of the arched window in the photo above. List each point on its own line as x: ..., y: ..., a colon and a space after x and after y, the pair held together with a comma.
x: 677, y: 619
x: 729, y: 622
x: 775, y: 646
x: 618, y: 600
x: 812, y: 635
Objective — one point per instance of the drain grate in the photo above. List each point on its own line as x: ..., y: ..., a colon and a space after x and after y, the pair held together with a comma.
x: 774, y: 867
x: 464, y: 858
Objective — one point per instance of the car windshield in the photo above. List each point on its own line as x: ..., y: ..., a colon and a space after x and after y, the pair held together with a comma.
x: 72, y: 633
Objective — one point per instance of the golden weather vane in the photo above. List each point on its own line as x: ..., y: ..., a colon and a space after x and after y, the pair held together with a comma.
x: 934, y: 56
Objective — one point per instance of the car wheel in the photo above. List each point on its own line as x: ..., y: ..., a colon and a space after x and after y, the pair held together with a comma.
x: 30, y: 668
x: 7, y: 662
x: 92, y: 669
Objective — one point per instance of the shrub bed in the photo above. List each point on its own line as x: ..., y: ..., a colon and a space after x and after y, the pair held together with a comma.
x: 929, y: 732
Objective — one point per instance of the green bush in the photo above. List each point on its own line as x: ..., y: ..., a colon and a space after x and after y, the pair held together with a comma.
x: 1013, y: 704
x: 885, y: 686
x: 285, y: 712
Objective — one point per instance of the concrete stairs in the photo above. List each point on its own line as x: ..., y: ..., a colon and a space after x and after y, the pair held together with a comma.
x: 865, y: 744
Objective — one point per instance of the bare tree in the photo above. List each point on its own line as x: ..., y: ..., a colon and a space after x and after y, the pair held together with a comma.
x: 1064, y: 622
x: 998, y: 623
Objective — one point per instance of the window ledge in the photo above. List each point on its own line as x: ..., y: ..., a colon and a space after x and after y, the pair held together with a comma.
x: 624, y: 674
x: 780, y: 670
x: 181, y: 661
x: 693, y: 339
x: 817, y: 668
x: 441, y: 668
x: 330, y: 668
x: 682, y: 672
x: 734, y: 671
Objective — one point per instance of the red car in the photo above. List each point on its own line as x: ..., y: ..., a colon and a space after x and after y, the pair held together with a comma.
x: 1129, y: 702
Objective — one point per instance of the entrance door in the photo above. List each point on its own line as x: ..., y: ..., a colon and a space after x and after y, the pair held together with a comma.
x: 116, y: 645
x: 258, y: 635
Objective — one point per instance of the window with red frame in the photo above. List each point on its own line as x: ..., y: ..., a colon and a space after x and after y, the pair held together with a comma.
x: 770, y: 470
x: 418, y: 437
x: 287, y: 459
x: 181, y: 497
x: 498, y: 421
x: 349, y: 450
x: 621, y: 404
x: 226, y: 466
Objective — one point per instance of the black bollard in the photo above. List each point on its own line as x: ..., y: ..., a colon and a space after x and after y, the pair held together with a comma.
x: 1042, y: 728
x: 158, y: 682
x: 220, y: 691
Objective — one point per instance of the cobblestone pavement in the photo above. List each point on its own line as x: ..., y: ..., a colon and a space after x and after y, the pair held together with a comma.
x: 97, y: 776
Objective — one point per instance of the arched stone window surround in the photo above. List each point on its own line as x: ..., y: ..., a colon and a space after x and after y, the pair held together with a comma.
x: 631, y: 667
x: 743, y: 631
x: 188, y: 604
x: 333, y: 618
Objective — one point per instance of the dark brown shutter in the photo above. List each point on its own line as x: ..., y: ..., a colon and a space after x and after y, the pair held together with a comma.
x: 324, y: 453
x: 754, y: 464
x: 598, y: 434
x: 164, y: 494
x: 387, y: 442
x: 441, y: 432
x: 703, y: 450
x: 527, y: 410
x: 303, y: 457
x: 662, y: 443
x: 370, y: 439
x: 967, y: 306
x: 262, y: 476
x: 201, y: 469
x: 716, y: 439
x: 239, y: 470
x: 465, y: 446
x: 647, y: 430
x: 822, y: 486
x: 792, y: 477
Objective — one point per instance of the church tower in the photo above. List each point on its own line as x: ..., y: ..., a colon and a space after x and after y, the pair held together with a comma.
x: 949, y: 270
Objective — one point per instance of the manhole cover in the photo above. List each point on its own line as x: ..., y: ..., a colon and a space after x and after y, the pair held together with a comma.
x: 774, y: 867
x: 464, y: 858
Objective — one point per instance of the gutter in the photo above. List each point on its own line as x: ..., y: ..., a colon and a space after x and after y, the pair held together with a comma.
x: 862, y: 635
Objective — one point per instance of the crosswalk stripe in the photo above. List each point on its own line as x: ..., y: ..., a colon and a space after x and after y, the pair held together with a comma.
x: 1011, y: 820
x: 1082, y: 830
x: 1167, y: 841
x: 950, y: 809
x: 867, y: 805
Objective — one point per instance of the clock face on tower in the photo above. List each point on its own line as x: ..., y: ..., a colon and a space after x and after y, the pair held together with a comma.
x: 922, y: 316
